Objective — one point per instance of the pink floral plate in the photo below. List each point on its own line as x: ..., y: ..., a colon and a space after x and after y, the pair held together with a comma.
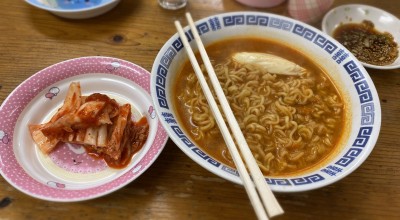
x: 69, y: 173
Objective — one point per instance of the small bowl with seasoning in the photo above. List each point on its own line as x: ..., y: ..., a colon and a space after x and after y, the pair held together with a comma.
x: 370, y: 33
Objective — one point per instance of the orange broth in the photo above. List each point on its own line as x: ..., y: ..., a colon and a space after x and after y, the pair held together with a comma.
x: 218, y: 53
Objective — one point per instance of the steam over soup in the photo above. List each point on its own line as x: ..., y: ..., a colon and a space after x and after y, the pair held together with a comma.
x: 290, y: 112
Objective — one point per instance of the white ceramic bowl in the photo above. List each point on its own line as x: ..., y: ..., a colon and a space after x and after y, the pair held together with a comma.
x: 75, y: 9
x: 68, y: 173
x: 354, y: 13
x: 348, y: 74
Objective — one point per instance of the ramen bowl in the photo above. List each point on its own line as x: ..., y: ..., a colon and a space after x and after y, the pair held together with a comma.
x: 354, y: 13
x: 362, y: 107
x: 75, y: 9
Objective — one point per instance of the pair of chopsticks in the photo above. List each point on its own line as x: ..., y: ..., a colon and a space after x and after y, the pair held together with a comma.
x: 263, y: 200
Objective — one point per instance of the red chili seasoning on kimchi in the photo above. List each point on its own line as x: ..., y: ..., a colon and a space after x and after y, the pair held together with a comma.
x: 98, y: 123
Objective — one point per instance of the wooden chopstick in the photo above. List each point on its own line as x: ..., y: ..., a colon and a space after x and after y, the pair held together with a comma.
x: 267, y: 198
x: 248, y: 184
x: 270, y: 203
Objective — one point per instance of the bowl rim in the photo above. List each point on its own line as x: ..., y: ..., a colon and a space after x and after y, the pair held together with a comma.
x: 104, y: 3
x: 277, y: 188
x: 333, y: 10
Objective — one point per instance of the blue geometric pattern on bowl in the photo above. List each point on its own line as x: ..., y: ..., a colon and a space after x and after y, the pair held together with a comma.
x: 337, y: 53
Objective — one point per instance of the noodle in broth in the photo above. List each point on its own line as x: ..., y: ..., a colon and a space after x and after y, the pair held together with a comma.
x: 289, y: 122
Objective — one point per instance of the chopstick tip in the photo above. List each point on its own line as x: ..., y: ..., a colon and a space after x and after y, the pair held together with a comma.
x: 178, y: 24
x: 189, y: 16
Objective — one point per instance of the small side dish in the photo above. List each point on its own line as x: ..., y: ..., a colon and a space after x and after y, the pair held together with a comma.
x: 97, y: 122
x: 371, y: 34
x: 366, y: 43
x: 69, y: 172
